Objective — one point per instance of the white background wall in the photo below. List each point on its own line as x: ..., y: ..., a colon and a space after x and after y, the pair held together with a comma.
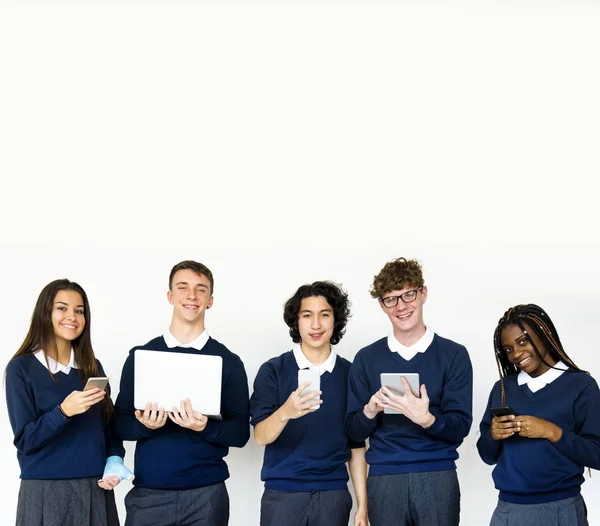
x: 282, y: 144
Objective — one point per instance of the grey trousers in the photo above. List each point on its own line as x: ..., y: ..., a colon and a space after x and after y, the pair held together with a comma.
x: 305, y: 508
x: 69, y: 502
x: 565, y: 512
x: 208, y: 506
x: 414, y: 499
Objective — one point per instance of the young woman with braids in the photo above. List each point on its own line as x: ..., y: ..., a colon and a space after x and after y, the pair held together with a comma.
x: 63, y: 434
x: 540, y: 453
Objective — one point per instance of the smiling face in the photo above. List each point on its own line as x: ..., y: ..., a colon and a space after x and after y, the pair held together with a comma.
x: 190, y: 296
x: 520, y: 352
x: 406, y: 318
x: 315, y: 323
x: 68, y: 316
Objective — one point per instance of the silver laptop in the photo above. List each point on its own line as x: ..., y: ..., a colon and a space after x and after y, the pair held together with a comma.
x: 167, y: 377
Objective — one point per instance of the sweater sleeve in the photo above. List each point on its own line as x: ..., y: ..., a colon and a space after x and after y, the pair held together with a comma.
x: 488, y: 448
x: 114, y: 444
x: 126, y: 424
x: 265, y: 396
x: 234, y: 429
x: 583, y: 444
x: 454, y: 416
x: 358, y: 426
x: 32, y: 432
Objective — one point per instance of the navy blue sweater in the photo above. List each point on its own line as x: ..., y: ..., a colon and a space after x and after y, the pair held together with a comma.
x: 49, y: 445
x: 396, y: 444
x: 311, y: 452
x: 173, y: 457
x: 535, y: 470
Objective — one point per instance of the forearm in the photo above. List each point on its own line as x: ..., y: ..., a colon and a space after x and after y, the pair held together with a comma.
x: 359, y: 427
x: 267, y: 431
x: 114, y: 443
x: 585, y: 451
x: 233, y: 432
x: 128, y: 427
x: 358, y: 474
x: 488, y: 448
x: 35, y: 435
x: 451, y: 427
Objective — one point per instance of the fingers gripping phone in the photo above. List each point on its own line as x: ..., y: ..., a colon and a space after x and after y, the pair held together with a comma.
x: 312, y: 376
x: 503, y: 411
x: 99, y: 382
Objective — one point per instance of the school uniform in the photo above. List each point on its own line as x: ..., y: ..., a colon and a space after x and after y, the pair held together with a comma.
x: 304, y: 469
x: 539, y: 480
x: 61, y: 458
x: 180, y: 473
x: 412, y: 471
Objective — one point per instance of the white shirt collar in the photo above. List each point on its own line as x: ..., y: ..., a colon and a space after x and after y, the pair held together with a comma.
x: 303, y: 362
x: 53, y: 366
x: 535, y: 384
x: 198, y: 343
x: 420, y: 346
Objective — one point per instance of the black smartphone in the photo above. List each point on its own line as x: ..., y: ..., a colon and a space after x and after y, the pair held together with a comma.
x: 503, y: 411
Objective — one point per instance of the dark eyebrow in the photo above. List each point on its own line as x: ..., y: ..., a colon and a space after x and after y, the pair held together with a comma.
x: 63, y: 303
x: 517, y: 339
x: 310, y: 311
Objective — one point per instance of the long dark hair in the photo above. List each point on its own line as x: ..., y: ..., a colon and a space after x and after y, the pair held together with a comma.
x: 529, y: 318
x: 41, y: 336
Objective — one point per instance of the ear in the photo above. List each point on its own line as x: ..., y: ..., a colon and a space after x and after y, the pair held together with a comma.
x: 424, y: 292
x: 170, y: 296
x: 210, y: 302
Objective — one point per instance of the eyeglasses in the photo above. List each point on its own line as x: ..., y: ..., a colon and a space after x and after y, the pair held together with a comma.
x: 407, y: 297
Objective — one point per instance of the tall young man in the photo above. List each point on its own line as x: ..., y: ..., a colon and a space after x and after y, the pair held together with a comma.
x: 412, y: 472
x: 179, y: 466
x: 304, y: 469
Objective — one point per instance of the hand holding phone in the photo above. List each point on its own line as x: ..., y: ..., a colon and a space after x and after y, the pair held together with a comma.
x: 312, y: 376
x: 503, y: 426
x: 98, y: 382
x: 503, y: 411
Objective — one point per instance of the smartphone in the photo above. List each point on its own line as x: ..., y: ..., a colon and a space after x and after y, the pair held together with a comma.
x: 312, y: 376
x: 503, y: 411
x: 393, y: 381
x: 100, y: 382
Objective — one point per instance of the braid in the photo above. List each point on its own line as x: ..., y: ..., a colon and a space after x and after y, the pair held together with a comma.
x: 540, y: 323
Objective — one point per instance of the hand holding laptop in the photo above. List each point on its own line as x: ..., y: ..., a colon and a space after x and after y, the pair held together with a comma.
x: 186, y: 417
x: 152, y: 417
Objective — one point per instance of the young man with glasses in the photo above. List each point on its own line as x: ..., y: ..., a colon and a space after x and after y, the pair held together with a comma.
x: 412, y: 474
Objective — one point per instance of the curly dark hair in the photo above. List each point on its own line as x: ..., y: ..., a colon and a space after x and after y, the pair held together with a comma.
x: 529, y: 318
x: 335, y: 296
x: 396, y: 275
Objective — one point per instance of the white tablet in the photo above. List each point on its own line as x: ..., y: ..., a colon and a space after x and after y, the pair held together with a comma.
x: 394, y: 382
x: 167, y: 377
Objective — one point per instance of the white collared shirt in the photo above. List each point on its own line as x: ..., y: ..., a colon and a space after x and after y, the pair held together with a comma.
x: 304, y: 363
x: 198, y: 343
x: 535, y: 384
x: 53, y: 366
x: 408, y: 353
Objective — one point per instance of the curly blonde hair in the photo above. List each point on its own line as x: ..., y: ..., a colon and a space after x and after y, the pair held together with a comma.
x: 396, y: 275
